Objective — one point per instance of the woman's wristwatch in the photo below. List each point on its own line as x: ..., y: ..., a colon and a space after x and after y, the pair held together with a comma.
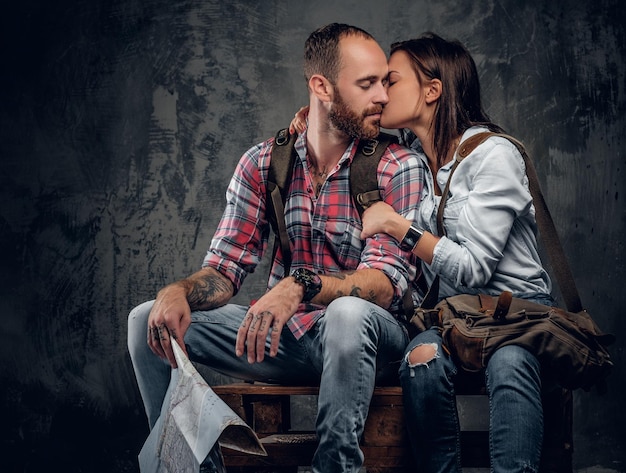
x: 411, y: 238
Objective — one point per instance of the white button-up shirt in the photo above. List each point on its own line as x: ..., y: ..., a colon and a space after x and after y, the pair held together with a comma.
x: 489, y: 220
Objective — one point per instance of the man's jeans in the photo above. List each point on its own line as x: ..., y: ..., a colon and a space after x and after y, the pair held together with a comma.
x: 355, y: 345
x: 516, y: 416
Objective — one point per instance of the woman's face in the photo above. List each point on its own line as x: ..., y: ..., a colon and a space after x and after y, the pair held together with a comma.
x: 406, y: 96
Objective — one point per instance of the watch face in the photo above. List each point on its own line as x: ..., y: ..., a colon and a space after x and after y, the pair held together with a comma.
x: 410, y: 239
x: 310, y: 281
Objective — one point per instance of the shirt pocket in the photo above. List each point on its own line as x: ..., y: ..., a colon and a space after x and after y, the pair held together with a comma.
x: 343, y: 240
x: 451, y: 213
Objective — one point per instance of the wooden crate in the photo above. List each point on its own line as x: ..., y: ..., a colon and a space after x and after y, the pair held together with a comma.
x: 267, y: 409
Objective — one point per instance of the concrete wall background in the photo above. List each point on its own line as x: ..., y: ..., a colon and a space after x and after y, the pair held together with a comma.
x: 121, y: 122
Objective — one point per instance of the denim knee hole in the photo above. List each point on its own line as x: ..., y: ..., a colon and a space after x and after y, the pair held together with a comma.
x: 421, y: 355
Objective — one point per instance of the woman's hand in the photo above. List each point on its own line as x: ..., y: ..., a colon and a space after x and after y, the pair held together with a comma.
x: 382, y: 218
x: 298, y: 124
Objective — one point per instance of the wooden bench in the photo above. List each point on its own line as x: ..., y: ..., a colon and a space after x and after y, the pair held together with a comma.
x: 267, y: 409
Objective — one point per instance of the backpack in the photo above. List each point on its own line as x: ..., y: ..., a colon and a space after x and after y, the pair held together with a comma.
x: 363, y: 181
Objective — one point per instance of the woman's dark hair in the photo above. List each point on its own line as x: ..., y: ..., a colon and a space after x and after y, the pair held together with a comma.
x: 459, y: 106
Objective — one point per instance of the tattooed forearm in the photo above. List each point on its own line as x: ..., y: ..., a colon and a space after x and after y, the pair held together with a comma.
x: 369, y: 284
x: 208, y: 291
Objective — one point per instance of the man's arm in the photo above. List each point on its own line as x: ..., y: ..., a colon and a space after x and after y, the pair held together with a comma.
x: 372, y: 285
x: 170, y: 316
x: 277, y: 306
x: 401, y: 184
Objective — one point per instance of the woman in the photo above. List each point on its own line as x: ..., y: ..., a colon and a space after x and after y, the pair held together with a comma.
x: 489, y: 246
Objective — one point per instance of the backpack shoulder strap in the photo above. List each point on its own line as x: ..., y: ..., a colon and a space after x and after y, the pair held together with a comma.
x: 547, y: 229
x: 278, y: 181
x: 364, y: 185
x: 549, y: 234
x: 464, y: 149
x: 363, y: 170
x: 363, y: 181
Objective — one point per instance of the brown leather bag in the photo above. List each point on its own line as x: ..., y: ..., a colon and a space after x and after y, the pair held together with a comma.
x: 569, y: 344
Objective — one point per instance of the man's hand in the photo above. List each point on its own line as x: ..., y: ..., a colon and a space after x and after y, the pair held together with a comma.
x: 272, y: 311
x: 169, y: 318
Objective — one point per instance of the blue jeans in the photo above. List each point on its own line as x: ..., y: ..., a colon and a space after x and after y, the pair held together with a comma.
x: 513, y: 382
x: 355, y: 345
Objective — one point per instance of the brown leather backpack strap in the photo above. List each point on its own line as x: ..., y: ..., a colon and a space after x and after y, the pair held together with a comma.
x: 464, y: 149
x: 364, y: 170
x: 471, y: 143
x: 278, y: 182
x: 487, y: 304
x: 549, y: 235
x: 547, y: 229
x: 496, y: 307
x: 503, y: 305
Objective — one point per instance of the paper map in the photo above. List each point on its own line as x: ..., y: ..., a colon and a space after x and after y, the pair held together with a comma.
x: 193, y: 418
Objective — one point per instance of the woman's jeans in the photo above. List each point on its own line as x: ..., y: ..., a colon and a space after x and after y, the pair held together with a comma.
x: 355, y: 345
x: 513, y: 382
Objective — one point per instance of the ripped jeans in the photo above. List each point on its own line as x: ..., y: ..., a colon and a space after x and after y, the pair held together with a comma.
x: 513, y: 382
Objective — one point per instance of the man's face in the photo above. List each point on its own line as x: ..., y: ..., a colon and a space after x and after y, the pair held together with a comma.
x: 359, y: 94
x: 356, y: 125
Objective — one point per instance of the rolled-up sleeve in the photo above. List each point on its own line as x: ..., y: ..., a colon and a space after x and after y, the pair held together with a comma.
x: 401, y: 180
x: 241, y: 237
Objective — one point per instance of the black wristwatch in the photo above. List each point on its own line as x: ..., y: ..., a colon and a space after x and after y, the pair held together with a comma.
x: 411, y: 238
x: 310, y: 281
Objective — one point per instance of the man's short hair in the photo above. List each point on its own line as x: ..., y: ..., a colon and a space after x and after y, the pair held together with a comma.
x: 321, y: 50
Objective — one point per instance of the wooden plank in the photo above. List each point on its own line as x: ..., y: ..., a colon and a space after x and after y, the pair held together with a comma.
x: 263, y: 389
x: 298, y: 450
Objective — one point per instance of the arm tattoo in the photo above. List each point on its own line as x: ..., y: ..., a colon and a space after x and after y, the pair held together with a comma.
x: 341, y: 275
x: 356, y: 292
x: 207, y: 292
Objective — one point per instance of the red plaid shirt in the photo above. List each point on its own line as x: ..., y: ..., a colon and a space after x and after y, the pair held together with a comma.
x: 324, y: 230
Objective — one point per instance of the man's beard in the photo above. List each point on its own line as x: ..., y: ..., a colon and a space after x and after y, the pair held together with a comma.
x: 352, y: 124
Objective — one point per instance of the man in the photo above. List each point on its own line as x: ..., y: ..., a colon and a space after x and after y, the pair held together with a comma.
x: 330, y: 321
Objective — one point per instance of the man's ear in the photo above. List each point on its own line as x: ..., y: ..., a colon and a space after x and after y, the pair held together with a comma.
x: 432, y: 90
x: 321, y: 88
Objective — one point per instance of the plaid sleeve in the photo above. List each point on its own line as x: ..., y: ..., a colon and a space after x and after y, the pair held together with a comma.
x: 241, y: 236
x: 401, y: 178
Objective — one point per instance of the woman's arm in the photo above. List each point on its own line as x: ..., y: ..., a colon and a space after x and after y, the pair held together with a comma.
x: 382, y: 218
x: 488, y: 194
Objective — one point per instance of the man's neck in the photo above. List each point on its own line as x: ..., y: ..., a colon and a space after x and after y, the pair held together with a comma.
x: 325, y: 144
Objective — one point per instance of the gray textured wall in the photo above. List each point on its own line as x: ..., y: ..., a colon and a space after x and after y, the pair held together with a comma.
x: 121, y: 121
